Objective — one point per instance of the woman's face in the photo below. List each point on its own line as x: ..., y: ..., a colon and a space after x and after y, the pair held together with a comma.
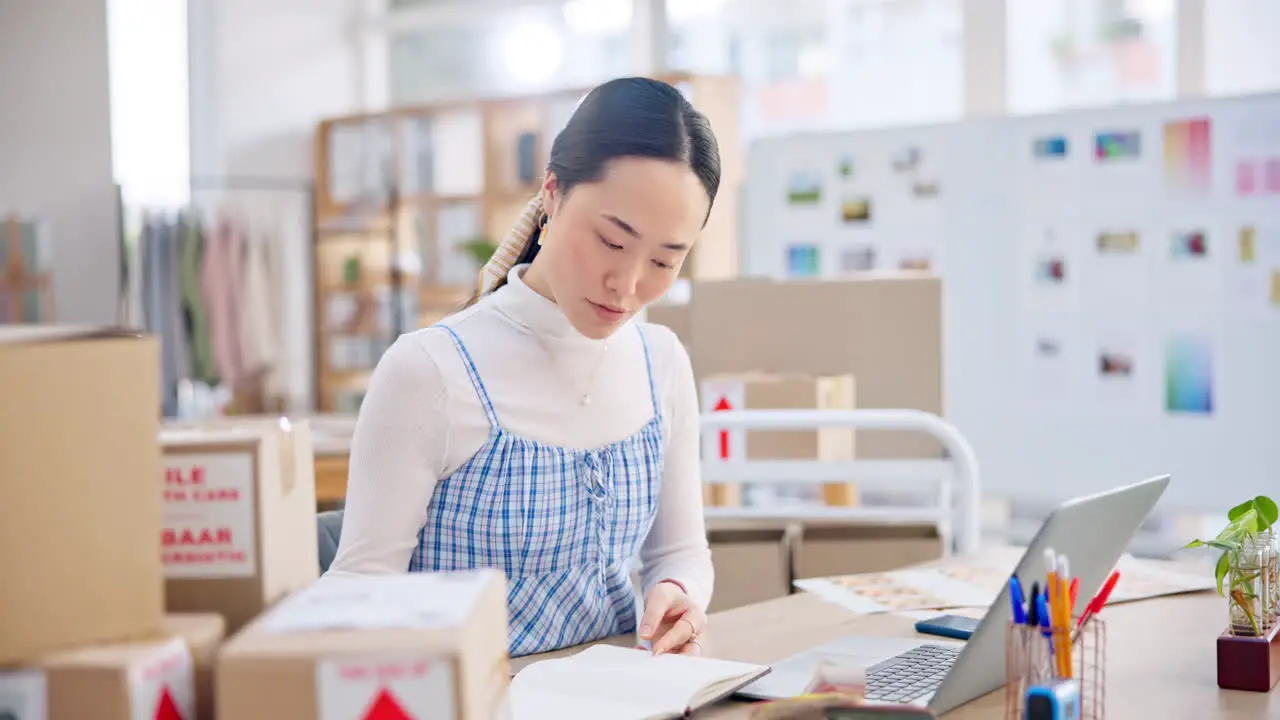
x: 612, y: 247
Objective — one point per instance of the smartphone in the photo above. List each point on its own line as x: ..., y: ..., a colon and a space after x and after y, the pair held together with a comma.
x: 949, y: 626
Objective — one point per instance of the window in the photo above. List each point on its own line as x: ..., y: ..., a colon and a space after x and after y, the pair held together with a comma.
x: 1085, y: 53
x: 526, y: 50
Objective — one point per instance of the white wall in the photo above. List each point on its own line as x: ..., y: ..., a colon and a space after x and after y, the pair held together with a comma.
x: 263, y: 74
x: 1242, y: 46
x: 55, y: 145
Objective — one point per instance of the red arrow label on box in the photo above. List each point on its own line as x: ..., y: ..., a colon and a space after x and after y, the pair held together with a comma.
x: 724, y: 434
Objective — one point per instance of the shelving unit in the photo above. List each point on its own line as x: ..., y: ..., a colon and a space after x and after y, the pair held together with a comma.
x: 26, y: 278
x: 400, y: 193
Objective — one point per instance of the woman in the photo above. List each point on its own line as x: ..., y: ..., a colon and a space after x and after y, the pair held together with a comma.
x: 543, y: 430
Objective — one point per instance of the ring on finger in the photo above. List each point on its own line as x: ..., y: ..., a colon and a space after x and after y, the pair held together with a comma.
x: 693, y: 631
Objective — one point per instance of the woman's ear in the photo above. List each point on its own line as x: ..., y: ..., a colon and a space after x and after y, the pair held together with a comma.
x: 550, y: 194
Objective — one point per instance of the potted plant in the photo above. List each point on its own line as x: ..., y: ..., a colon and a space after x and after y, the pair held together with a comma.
x: 1248, y: 576
x: 1248, y: 567
x: 479, y: 249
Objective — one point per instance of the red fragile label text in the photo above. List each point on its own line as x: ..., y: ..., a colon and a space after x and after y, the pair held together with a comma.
x: 387, y: 672
x: 200, y: 546
x: 162, y: 668
x: 189, y: 485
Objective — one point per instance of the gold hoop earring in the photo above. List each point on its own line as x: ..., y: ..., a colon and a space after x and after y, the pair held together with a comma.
x: 542, y: 229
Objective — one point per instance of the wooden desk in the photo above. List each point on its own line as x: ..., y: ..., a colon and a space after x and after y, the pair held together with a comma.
x: 1160, y: 655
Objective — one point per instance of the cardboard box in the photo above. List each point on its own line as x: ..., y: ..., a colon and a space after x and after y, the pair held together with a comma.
x: 425, y: 645
x: 885, y: 330
x: 204, y: 634
x: 676, y: 317
x: 239, y: 516
x: 120, y: 681
x: 752, y: 561
x: 827, y: 547
x: 79, y: 512
x: 759, y: 391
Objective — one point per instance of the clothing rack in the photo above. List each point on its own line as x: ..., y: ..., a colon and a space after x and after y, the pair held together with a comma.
x: 224, y: 233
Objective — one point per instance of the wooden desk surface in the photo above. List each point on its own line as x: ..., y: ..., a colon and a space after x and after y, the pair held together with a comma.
x: 1160, y: 654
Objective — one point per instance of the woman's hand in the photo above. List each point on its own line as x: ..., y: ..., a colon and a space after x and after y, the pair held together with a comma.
x: 672, y: 622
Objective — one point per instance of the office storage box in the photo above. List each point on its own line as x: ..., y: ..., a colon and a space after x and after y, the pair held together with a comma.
x: 240, y: 515
x: 422, y: 645
x: 825, y: 547
x: 80, y: 518
x: 752, y: 560
x: 116, y: 681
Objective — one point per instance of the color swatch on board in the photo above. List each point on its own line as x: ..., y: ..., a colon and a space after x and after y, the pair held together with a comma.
x: 802, y: 261
x: 1258, y: 176
x: 1108, y: 146
x: 1188, y: 156
x: 1188, y: 375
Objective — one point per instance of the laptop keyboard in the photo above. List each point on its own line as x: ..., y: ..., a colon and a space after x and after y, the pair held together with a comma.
x: 914, y: 673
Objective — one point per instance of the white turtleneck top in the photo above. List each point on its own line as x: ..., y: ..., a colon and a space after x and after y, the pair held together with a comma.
x: 421, y: 419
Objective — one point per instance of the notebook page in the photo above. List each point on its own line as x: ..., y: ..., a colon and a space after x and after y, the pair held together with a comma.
x: 651, y: 685
x: 539, y: 703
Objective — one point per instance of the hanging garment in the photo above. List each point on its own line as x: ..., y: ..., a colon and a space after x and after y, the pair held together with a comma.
x: 257, y: 332
x: 191, y: 258
x: 174, y: 321
x: 219, y: 278
x: 562, y: 523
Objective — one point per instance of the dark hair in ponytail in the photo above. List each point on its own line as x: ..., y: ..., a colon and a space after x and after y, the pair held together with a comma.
x: 630, y: 117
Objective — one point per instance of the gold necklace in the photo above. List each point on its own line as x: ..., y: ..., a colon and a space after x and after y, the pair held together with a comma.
x: 584, y: 398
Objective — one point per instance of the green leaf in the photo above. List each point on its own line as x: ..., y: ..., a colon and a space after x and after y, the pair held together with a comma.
x: 1267, y: 511
x: 1237, y: 512
x: 1220, y: 572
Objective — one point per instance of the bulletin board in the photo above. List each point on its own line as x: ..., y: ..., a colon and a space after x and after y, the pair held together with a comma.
x: 1111, y: 281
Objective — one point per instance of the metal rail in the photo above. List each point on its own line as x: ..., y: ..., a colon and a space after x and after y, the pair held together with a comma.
x: 958, y: 470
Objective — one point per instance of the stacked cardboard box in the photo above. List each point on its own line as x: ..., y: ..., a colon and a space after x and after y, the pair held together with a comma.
x: 395, y: 646
x: 776, y: 344
x: 239, y: 515
x: 83, y: 631
x: 119, y: 520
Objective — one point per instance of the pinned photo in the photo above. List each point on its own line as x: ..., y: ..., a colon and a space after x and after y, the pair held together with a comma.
x: 1048, y: 348
x: 802, y: 261
x: 1248, y: 244
x: 907, y: 159
x: 1112, y: 145
x: 861, y: 258
x: 1115, y: 364
x: 924, y: 188
x: 804, y: 188
x: 845, y: 167
x: 1188, y: 375
x: 856, y: 209
x: 914, y: 262
x: 1051, y: 270
x: 1189, y: 245
x: 1117, y: 243
x: 1053, y: 147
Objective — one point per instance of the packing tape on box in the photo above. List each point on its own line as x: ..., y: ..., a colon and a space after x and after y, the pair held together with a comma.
x: 288, y: 456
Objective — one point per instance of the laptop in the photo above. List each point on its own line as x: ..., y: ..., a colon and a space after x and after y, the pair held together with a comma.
x: 1093, y: 532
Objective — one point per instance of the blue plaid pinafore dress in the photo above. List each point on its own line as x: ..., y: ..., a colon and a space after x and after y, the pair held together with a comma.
x: 562, y: 523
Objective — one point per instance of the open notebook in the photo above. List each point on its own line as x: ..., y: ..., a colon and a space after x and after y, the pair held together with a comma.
x: 606, y: 681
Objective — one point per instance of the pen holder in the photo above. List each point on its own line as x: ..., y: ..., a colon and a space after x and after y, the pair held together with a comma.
x: 1028, y: 661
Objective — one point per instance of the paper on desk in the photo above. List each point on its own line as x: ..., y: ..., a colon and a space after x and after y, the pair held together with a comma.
x: 406, y: 601
x: 959, y: 585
